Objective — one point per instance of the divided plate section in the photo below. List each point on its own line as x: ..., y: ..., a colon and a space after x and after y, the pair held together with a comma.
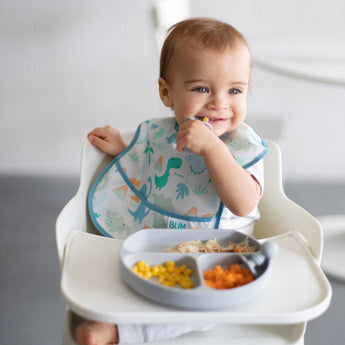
x: 152, y: 259
x: 157, y: 240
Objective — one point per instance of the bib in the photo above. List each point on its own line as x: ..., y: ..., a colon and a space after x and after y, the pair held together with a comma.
x: 152, y: 185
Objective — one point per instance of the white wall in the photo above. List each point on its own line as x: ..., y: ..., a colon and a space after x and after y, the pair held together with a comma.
x: 69, y: 66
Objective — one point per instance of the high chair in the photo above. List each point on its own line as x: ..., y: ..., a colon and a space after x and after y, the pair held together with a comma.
x: 279, y: 216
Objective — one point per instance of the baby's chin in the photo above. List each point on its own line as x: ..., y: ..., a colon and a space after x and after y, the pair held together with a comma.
x: 219, y: 130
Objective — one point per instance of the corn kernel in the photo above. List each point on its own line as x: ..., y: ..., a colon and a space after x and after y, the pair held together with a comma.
x: 141, y: 263
x: 161, y: 280
x: 155, y: 271
x: 183, y: 268
x: 168, y: 283
x: 187, y: 283
x: 147, y: 274
x: 188, y: 272
x: 170, y: 264
x: 170, y: 269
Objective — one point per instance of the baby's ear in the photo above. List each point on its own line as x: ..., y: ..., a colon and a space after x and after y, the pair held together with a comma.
x: 165, y: 92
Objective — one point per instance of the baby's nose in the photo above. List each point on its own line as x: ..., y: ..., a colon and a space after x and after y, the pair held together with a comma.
x: 218, y: 102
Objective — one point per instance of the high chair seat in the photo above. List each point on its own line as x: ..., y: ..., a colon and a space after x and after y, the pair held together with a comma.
x: 298, y: 234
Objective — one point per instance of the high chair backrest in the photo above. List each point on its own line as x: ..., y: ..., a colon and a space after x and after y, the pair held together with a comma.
x: 278, y: 213
x: 74, y: 216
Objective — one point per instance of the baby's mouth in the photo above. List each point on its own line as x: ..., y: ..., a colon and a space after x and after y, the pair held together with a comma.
x: 216, y: 119
x: 212, y: 120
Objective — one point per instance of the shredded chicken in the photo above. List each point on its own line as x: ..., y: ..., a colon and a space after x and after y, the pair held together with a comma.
x: 212, y: 246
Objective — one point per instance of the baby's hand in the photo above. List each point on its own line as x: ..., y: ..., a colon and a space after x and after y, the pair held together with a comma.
x: 195, y: 136
x: 107, y: 139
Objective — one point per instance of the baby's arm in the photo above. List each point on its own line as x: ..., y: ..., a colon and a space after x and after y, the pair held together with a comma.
x: 107, y: 139
x: 237, y: 189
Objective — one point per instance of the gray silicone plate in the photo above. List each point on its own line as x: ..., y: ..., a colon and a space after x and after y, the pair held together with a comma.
x: 149, y: 245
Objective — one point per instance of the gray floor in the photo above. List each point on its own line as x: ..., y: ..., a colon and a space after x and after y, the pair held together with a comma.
x: 31, y: 309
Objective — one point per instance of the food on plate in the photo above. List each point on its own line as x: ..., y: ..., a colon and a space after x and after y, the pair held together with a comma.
x: 168, y: 275
x: 234, y: 276
x: 212, y: 246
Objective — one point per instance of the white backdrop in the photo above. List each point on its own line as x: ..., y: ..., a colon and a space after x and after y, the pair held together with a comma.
x: 69, y: 66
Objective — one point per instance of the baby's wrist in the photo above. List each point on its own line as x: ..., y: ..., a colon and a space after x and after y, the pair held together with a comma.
x: 212, y: 146
x: 122, y: 146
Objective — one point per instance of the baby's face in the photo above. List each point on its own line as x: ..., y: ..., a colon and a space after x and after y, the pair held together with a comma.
x: 203, y: 82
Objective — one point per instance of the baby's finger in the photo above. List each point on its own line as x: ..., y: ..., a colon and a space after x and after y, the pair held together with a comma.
x: 96, y: 140
x: 180, y: 147
x: 180, y: 143
x: 99, y: 132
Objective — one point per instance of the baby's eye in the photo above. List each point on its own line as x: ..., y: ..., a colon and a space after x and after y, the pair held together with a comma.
x: 201, y: 89
x: 234, y: 91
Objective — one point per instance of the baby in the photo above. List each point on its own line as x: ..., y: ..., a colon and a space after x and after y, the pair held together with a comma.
x: 204, y: 75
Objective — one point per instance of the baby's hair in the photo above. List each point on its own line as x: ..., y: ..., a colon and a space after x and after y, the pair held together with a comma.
x: 209, y: 33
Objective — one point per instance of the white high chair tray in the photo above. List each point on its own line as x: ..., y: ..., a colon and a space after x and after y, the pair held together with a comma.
x: 92, y: 287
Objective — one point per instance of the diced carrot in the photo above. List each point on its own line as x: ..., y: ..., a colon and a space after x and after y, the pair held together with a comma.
x: 235, y: 275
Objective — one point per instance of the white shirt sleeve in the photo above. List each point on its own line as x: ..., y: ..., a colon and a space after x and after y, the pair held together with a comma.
x: 146, y: 333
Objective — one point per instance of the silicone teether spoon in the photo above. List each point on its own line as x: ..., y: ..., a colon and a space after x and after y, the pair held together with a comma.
x: 204, y: 120
x: 268, y: 251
